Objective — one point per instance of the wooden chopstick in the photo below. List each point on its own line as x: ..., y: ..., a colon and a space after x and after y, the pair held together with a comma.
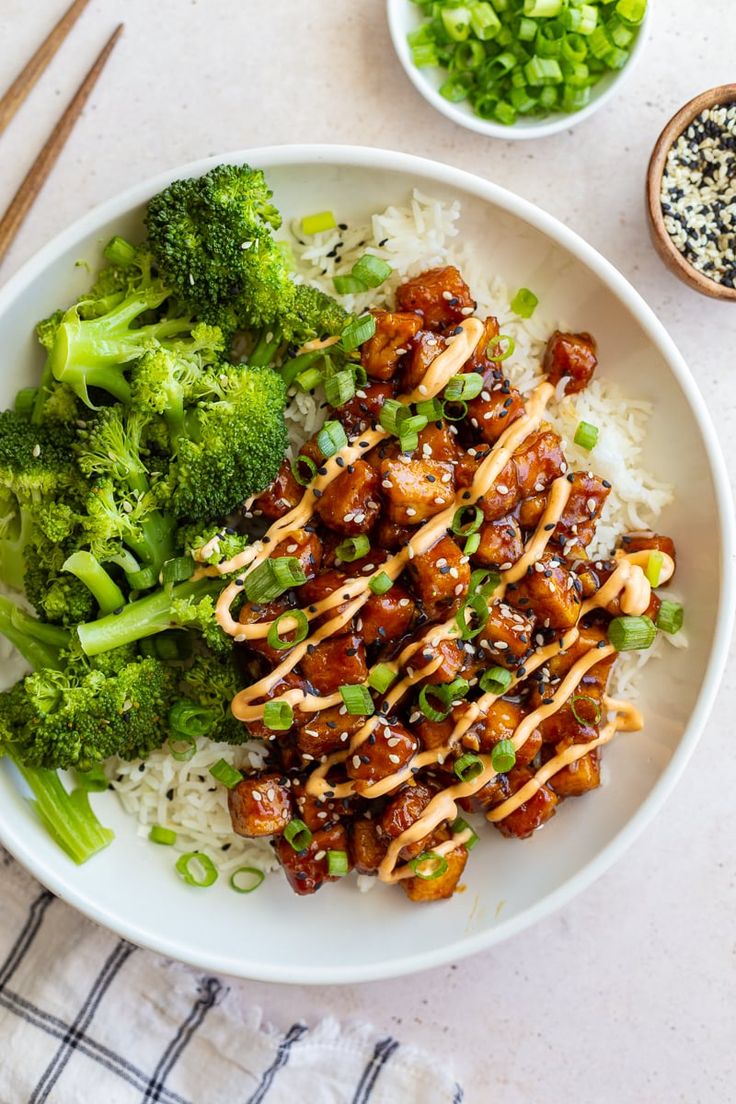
x: 25, y: 81
x: 36, y: 176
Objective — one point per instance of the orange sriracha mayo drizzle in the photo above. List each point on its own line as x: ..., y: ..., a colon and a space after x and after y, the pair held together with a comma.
x: 628, y: 584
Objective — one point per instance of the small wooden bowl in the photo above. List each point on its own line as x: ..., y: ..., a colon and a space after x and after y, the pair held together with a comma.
x: 668, y: 251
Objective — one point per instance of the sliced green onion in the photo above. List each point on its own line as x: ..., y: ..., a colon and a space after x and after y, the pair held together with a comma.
x: 472, y: 544
x: 315, y: 224
x: 357, y: 331
x: 381, y: 583
x: 468, y: 767
x: 300, y: 630
x: 467, y: 386
x: 671, y: 617
x: 348, y: 285
x: 165, y: 836
x: 478, y: 605
x: 371, y: 270
x: 464, y: 528
x: 503, y: 756
x: 182, y: 748
x: 631, y: 634
x: 392, y: 414
x: 586, y: 436
x: 177, y: 570
x: 527, y: 29
x: 445, y: 694
x: 297, y: 834
x: 272, y: 578
x: 496, y: 680
x: 303, y: 461
x: 423, y: 55
x: 337, y: 863
x: 496, y: 344
x: 278, y: 716
x: 431, y: 409
x: 188, y: 718
x: 359, y: 374
x: 331, y: 438
x: 484, y: 22
x: 340, y: 388
x: 459, y: 826
x: 382, y: 677
x: 358, y: 700
x: 484, y: 582
x: 246, y: 878
x: 457, y: 22
x: 632, y: 10
x: 409, y: 432
x: 524, y: 303
x: 541, y: 70
x: 655, y: 563
x: 309, y: 379
x: 143, y: 579
x: 429, y: 865
x: 429, y: 710
x: 353, y: 548
x: 456, y: 411
x: 589, y: 702
x: 468, y: 55
x: 226, y: 773
x: 25, y: 401
x: 196, y: 869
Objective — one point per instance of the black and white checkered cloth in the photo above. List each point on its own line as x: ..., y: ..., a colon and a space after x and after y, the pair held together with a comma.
x: 87, y: 1018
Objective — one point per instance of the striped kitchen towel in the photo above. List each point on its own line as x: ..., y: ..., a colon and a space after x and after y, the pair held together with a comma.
x: 87, y: 1018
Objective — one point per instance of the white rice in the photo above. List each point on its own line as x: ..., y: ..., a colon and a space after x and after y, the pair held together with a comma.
x: 411, y: 239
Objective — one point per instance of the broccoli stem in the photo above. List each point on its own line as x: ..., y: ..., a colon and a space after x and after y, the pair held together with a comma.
x: 12, y: 546
x: 88, y: 570
x: 38, y: 643
x: 44, y: 390
x: 145, y: 617
x: 68, y: 817
x: 266, y: 348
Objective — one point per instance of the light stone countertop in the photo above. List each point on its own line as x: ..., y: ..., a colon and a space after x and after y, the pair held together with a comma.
x: 628, y: 994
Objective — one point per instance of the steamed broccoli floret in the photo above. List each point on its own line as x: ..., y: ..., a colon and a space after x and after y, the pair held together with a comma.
x: 212, y: 682
x: 211, y: 238
x: 231, y: 446
x: 213, y: 544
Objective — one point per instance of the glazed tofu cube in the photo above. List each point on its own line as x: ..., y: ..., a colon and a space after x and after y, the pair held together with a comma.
x: 439, y: 295
x: 572, y: 357
x: 426, y: 347
x: 548, y: 591
x: 494, y: 411
x: 500, y: 542
x: 364, y: 409
x: 440, y: 578
x: 392, y: 748
x: 579, y: 777
x: 441, y: 888
x: 416, y: 490
x: 283, y: 495
x: 350, y: 504
x: 334, y: 662
x: 576, y: 527
x: 260, y: 806
x: 509, y: 632
x: 640, y: 542
x: 306, y: 872
x: 366, y: 848
x: 304, y: 547
x: 392, y: 340
x: 387, y: 617
x: 532, y: 814
x: 327, y: 731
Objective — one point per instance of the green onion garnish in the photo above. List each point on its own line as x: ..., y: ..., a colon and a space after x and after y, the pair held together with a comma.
x: 357, y: 331
x: 503, y: 756
x: 496, y: 680
x: 392, y: 414
x: 500, y: 354
x: 296, y: 470
x: 188, y: 719
x: 177, y: 570
x: 348, y: 285
x: 524, y: 303
x: 459, y: 825
x: 431, y: 409
x: 429, y: 865
x: 468, y: 767
x: 446, y: 694
x: 476, y: 604
x: 455, y: 411
x: 340, y: 388
x: 467, y: 386
x: 272, y: 578
x: 586, y: 436
x: 655, y: 563
x: 297, y: 834
x: 382, y: 676
x: 484, y: 582
x: 472, y: 544
x: 631, y: 634
x: 246, y: 878
x: 357, y: 699
x: 278, y: 716
x: 143, y: 579
x: 381, y: 583
x: 337, y: 863
x: 182, y: 747
x: 309, y: 379
x: 371, y: 270
x: 331, y: 438
x: 579, y: 716
x: 196, y: 869
x: 353, y: 548
x: 164, y: 836
x: 315, y: 224
x: 464, y: 528
x: 300, y: 630
x: 226, y: 773
x: 671, y: 617
x: 409, y: 431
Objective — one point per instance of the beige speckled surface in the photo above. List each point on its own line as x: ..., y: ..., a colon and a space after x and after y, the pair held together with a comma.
x: 629, y: 994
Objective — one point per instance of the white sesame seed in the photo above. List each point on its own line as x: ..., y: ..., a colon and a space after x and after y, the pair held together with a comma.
x: 394, y: 759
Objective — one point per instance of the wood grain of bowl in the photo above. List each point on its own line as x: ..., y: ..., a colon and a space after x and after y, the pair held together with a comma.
x: 668, y: 251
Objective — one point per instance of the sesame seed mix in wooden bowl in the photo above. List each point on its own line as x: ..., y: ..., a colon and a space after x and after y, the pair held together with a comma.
x: 691, y: 193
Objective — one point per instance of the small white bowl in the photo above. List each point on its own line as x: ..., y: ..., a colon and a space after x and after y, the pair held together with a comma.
x: 404, y: 16
x: 340, y: 935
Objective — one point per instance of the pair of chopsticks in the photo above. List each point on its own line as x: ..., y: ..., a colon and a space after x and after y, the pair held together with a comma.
x: 16, y: 95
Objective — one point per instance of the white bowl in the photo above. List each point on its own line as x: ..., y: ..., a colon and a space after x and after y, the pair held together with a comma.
x: 404, y: 16
x: 339, y: 935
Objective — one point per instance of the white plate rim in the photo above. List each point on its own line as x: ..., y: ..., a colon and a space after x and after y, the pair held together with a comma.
x: 268, y: 157
x: 542, y: 129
